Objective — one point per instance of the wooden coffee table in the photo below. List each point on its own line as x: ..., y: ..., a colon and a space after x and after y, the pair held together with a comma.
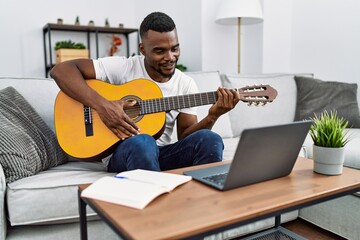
x: 194, y: 210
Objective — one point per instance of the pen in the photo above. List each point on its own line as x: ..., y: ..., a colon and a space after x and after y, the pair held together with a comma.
x: 134, y: 180
x: 121, y: 177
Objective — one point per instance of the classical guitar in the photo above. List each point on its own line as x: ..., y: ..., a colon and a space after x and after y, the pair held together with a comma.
x: 82, y: 134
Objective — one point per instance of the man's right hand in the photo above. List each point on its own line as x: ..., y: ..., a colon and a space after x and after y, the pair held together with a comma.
x: 114, y: 117
x: 70, y: 77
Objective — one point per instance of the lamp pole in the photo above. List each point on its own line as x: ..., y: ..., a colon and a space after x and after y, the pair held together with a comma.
x: 239, y: 56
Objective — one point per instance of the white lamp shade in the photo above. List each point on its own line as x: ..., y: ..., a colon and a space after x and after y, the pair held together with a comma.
x: 230, y: 10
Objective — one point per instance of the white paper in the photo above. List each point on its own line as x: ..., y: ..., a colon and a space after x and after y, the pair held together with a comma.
x: 168, y: 180
x: 135, y: 188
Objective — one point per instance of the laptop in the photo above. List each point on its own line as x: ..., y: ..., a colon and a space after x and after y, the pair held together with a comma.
x: 262, y: 154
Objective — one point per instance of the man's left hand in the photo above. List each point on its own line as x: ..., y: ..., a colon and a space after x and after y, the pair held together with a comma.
x: 227, y: 100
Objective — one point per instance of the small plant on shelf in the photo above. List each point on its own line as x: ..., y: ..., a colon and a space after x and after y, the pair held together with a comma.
x: 68, y: 50
x: 107, y: 23
x: 77, y: 20
x: 69, y: 44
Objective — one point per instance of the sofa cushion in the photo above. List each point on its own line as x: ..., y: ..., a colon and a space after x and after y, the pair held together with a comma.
x: 281, y: 110
x: 27, y: 145
x: 230, y: 146
x: 209, y: 82
x: 314, y: 96
x: 352, y: 154
x: 35, y: 91
x: 51, y: 196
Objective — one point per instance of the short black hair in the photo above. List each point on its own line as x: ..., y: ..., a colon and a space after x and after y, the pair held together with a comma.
x: 156, y: 21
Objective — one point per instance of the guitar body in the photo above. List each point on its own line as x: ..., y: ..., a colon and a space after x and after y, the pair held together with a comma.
x: 71, y: 127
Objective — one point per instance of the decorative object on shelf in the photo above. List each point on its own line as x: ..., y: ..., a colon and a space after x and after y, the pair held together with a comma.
x: 60, y: 21
x: 91, y: 23
x: 107, y: 24
x: 77, y: 20
x: 330, y: 136
x: 68, y: 50
x: 121, y: 25
x: 181, y: 67
x: 116, y: 41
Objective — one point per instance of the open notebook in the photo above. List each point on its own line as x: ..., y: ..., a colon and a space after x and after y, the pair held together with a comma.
x: 136, y: 188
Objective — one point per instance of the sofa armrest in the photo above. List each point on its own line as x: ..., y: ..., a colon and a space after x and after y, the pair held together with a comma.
x: 3, y: 226
x: 304, y: 152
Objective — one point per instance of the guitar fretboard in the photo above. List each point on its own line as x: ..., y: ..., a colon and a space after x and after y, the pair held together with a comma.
x: 177, y: 102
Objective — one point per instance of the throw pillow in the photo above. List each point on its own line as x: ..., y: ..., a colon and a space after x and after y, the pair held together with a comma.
x: 27, y: 145
x: 280, y: 111
x: 314, y: 96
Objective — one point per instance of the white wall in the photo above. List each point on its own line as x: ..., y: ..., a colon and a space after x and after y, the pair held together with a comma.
x: 326, y: 39
x: 319, y: 37
x: 187, y: 17
x: 277, y: 29
x: 296, y: 35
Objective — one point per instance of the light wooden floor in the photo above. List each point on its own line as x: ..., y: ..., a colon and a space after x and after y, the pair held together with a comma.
x: 306, y: 230
x: 310, y: 231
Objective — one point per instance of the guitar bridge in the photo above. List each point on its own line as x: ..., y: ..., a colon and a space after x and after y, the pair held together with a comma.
x: 88, y: 121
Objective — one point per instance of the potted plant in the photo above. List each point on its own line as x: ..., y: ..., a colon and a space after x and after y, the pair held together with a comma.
x: 68, y: 50
x: 330, y: 136
x: 107, y: 23
x: 91, y: 23
x: 77, y: 20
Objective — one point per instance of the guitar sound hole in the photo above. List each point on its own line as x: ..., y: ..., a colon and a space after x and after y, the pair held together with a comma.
x: 133, y: 111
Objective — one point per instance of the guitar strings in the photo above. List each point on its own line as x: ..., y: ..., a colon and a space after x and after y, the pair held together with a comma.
x: 169, y: 103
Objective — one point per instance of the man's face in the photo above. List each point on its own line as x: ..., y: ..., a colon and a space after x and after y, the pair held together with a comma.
x: 161, y: 51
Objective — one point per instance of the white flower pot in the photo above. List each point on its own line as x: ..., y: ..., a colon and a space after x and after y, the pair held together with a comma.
x: 328, y: 161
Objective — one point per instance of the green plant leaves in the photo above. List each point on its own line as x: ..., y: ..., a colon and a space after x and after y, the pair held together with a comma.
x: 181, y: 67
x: 329, y: 130
x: 69, y: 44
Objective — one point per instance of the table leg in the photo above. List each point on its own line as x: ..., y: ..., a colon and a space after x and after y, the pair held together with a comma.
x: 83, y: 220
x: 277, y: 220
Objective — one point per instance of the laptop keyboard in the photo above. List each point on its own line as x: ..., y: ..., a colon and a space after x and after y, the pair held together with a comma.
x: 218, y: 179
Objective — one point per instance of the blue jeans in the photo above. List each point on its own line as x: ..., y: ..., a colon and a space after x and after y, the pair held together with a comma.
x: 141, y: 152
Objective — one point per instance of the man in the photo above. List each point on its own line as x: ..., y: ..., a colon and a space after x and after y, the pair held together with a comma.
x: 160, y: 51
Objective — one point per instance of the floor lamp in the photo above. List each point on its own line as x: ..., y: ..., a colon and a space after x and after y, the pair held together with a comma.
x: 238, y: 12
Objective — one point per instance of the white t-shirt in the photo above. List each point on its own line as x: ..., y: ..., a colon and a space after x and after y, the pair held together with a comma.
x: 119, y: 70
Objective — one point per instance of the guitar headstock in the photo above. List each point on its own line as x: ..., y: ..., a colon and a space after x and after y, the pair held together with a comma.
x: 257, y: 94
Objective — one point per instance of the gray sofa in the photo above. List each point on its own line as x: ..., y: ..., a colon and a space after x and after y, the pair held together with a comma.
x: 44, y: 206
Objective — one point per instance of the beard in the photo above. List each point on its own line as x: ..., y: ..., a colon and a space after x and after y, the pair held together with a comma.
x: 162, y: 73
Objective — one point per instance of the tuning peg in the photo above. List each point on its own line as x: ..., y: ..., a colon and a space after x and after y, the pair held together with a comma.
x: 250, y: 104
x: 263, y: 103
x: 257, y: 104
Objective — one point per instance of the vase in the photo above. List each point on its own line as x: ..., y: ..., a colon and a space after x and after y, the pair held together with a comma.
x: 328, y: 161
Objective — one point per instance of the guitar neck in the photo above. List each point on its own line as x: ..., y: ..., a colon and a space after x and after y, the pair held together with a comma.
x: 177, y: 102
